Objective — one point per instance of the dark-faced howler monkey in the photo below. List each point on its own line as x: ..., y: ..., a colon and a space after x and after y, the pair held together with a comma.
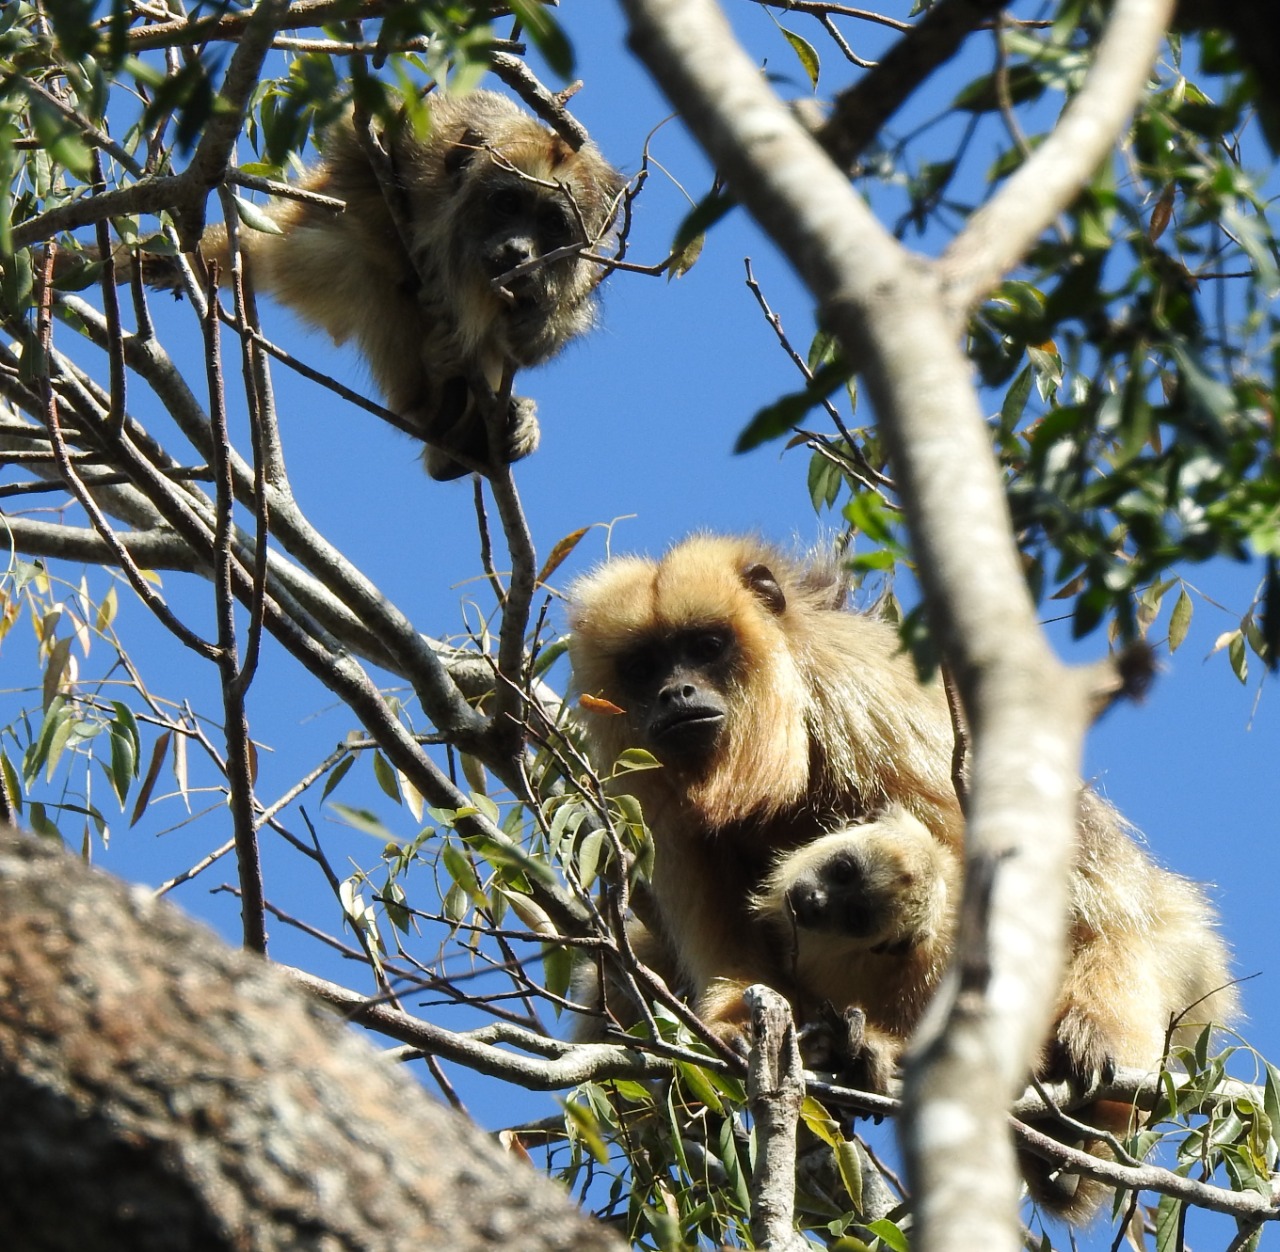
x: 807, y: 832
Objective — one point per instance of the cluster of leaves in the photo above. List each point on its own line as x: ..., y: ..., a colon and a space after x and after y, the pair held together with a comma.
x: 1145, y: 334
x: 1206, y: 1128
x: 1131, y: 365
x: 74, y: 731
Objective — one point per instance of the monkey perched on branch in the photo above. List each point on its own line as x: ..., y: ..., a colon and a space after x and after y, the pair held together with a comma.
x: 486, y: 278
x: 807, y: 832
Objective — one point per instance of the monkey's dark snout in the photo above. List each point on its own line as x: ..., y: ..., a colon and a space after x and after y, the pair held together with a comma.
x: 685, y: 719
x: 808, y: 903
x: 508, y: 254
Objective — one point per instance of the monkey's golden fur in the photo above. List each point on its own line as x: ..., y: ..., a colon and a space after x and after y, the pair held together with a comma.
x: 489, y: 188
x: 865, y: 916
x: 830, y: 751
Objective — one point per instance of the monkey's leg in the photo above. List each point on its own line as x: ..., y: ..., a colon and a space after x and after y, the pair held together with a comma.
x: 1113, y: 1010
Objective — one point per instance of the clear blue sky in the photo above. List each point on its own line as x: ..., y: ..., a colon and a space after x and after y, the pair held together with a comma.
x: 638, y: 422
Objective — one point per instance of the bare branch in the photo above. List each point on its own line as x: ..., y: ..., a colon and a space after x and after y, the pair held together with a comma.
x: 563, y: 1064
x: 862, y: 110
x: 775, y: 1089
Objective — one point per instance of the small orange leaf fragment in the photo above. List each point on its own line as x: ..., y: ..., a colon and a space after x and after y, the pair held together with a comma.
x: 595, y: 704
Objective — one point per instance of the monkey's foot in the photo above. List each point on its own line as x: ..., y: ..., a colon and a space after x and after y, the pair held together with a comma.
x: 1079, y: 1052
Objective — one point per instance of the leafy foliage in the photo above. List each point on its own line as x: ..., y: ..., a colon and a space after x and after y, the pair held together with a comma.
x: 1129, y: 369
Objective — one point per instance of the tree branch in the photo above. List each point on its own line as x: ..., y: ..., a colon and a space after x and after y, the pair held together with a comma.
x: 775, y: 1092
x: 861, y: 111
x: 163, y: 1093
x: 564, y: 1064
x: 1027, y: 713
x: 1000, y: 233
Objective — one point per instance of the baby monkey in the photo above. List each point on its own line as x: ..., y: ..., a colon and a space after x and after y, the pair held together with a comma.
x: 488, y: 276
x: 865, y: 915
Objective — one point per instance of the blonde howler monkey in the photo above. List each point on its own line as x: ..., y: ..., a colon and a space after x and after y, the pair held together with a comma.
x: 487, y: 190
x: 807, y: 832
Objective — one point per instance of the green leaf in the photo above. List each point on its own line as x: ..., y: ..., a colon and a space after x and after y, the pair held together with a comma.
x: 393, y: 900
x: 1271, y: 1098
x: 632, y: 760
x: 124, y: 763
x: 11, y: 782
x: 54, y: 733
x: 1179, y: 620
x: 888, y: 1234
x: 40, y: 823
x: 705, y: 214
x: 385, y: 775
x: 55, y: 669
x: 1236, y: 655
x: 1168, y: 1221
x: 778, y: 418
x: 59, y: 139
x: 463, y: 873
x: 1015, y: 400
x: 255, y: 217
x: 806, y: 53
x: 128, y: 725
x: 336, y: 775
x: 824, y: 481
x: 695, y: 1081
x: 365, y: 821
x: 586, y: 1129
x: 850, y: 1165
x: 546, y: 35
x: 557, y: 968
x: 588, y: 856
x: 1023, y: 82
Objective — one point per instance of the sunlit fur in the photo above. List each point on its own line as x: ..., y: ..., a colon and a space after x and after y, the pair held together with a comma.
x: 827, y: 726
x: 426, y: 342
x: 832, y: 745
x: 906, y: 890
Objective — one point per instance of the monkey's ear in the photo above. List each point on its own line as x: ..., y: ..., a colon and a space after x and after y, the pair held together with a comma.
x: 762, y: 584
x: 463, y: 151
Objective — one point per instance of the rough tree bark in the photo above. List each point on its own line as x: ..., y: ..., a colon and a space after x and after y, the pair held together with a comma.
x: 160, y: 1092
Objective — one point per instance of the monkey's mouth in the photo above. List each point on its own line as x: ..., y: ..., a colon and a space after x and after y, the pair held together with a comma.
x: 526, y: 304
x: 688, y: 732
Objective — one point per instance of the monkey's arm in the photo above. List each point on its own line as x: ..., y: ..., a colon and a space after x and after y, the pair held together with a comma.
x: 702, y: 891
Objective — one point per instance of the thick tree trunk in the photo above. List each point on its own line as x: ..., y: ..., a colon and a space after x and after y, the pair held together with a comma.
x: 159, y: 1091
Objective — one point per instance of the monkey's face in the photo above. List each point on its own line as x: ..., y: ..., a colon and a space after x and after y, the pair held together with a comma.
x: 694, y: 652
x: 882, y: 885
x: 512, y: 227
x: 847, y: 893
x: 674, y: 689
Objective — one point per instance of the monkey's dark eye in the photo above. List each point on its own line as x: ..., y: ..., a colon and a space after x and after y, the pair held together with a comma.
x: 506, y: 202
x: 555, y: 226
x: 707, y: 646
x: 637, y: 669
x: 842, y: 870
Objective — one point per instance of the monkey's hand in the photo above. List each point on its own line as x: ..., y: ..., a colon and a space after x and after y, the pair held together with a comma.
x: 723, y: 1009
x: 521, y: 434
x: 846, y: 1044
x: 458, y: 439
